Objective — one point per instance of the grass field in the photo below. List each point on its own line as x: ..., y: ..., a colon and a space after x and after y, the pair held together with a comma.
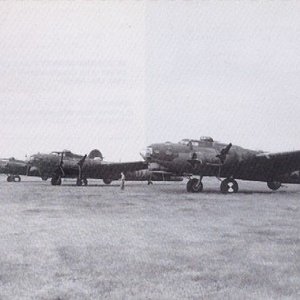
x: 148, y: 242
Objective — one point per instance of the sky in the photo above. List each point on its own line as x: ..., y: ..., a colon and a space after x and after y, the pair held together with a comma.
x: 120, y: 75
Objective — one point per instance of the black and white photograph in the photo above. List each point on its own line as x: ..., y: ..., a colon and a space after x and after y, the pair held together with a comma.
x: 150, y: 149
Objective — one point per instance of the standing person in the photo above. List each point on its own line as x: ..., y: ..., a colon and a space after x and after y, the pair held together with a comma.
x: 122, y: 181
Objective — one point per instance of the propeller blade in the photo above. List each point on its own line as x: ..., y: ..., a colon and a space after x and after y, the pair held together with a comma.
x: 61, y: 163
x: 61, y: 159
x: 224, y: 152
x: 82, y: 160
x: 80, y: 164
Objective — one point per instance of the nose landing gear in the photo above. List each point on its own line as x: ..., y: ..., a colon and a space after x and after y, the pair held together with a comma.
x: 229, y: 185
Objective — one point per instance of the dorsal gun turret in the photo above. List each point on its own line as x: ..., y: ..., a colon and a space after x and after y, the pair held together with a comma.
x: 95, y: 154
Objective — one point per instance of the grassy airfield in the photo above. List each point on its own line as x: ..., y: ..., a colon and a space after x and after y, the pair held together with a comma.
x: 148, y: 242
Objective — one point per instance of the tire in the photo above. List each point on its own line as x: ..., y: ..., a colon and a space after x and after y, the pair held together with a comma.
x: 194, y: 186
x: 274, y: 185
x: 44, y: 178
x: 9, y: 178
x: 189, y: 186
x: 56, y: 181
x: 229, y: 186
x: 197, y: 187
x: 16, y: 178
x: 53, y: 181
x: 84, y: 181
x: 107, y: 181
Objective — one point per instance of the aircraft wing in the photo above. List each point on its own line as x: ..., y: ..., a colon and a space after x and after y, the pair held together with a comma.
x: 288, y: 160
x: 117, y: 168
x: 278, y: 163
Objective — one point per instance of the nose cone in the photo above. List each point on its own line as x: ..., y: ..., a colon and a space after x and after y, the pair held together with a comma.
x: 38, y: 164
x: 3, y: 166
x: 33, y: 160
x: 147, y: 153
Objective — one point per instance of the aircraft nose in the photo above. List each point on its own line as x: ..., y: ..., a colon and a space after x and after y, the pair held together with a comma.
x: 2, y: 166
x: 33, y: 160
x: 147, y: 153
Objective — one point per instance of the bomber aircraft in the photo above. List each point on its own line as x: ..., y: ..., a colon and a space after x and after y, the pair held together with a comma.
x: 205, y: 157
x: 66, y: 164
x: 13, y: 168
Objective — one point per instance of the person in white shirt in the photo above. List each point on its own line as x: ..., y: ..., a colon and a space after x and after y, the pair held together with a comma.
x: 122, y: 181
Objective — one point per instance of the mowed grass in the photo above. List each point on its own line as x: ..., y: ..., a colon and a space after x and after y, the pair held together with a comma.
x: 148, y: 242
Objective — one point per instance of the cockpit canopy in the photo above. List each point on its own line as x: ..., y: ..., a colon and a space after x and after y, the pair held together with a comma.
x: 188, y: 142
x: 196, y: 143
x: 206, y: 139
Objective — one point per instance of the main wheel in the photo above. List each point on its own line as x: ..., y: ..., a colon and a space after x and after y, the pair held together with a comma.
x: 44, y: 178
x: 229, y: 186
x: 194, y: 186
x: 9, y: 178
x: 56, y: 181
x: 53, y: 181
x: 274, y: 185
x: 189, y: 186
x: 84, y: 181
x: 16, y: 178
x: 107, y: 181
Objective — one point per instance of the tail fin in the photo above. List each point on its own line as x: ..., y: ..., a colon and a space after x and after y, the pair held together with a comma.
x: 95, y: 154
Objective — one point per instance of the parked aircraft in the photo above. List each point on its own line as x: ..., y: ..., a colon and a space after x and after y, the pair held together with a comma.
x: 13, y: 168
x: 69, y: 165
x: 205, y: 157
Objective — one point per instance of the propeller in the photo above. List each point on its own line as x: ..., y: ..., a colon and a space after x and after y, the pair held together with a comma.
x: 223, y: 153
x: 80, y: 165
x: 222, y: 156
x: 61, y: 163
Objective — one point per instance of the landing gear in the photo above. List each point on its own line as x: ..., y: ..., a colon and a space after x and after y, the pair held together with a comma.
x: 229, y: 185
x: 17, y: 178
x: 274, y: 185
x: 107, y: 181
x: 194, y: 186
x: 13, y: 178
x: 56, y: 180
x: 150, y: 182
x: 44, y: 178
x: 80, y: 182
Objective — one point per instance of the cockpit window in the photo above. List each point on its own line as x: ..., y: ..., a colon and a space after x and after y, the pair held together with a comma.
x: 206, y: 139
x: 184, y: 142
x: 55, y: 153
x: 67, y: 154
x: 188, y: 142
